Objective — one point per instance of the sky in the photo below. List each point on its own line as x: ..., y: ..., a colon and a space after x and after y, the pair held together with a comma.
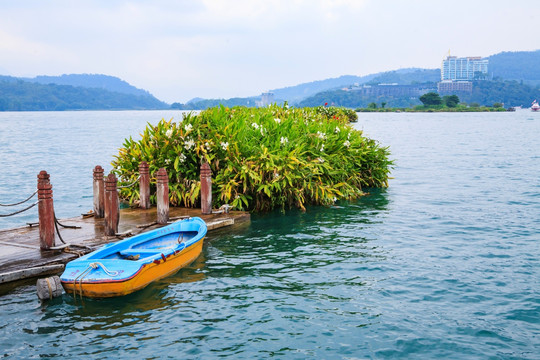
x: 181, y: 49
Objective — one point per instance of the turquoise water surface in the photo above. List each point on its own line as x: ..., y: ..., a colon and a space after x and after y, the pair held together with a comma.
x: 442, y: 264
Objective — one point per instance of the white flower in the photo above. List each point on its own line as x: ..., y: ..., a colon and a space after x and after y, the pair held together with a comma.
x: 347, y: 144
x: 322, y: 148
x: 224, y: 145
x: 188, y: 127
x: 189, y: 144
x: 348, y: 136
x: 167, y: 161
x: 321, y: 135
x: 276, y: 175
x: 284, y: 140
x: 168, y: 133
x: 255, y: 125
x: 277, y: 120
x: 334, y: 199
x: 262, y: 131
x: 321, y: 160
x: 337, y: 130
x: 182, y: 158
x: 207, y: 145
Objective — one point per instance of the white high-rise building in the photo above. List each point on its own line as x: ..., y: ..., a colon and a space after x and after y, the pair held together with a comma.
x: 464, y: 69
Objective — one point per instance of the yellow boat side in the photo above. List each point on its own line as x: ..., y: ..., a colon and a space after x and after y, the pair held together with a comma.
x: 150, y: 272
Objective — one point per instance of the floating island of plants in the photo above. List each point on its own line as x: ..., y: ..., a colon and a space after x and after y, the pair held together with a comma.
x: 261, y: 158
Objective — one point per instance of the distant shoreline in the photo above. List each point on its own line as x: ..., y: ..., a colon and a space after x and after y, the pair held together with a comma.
x: 431, y: 110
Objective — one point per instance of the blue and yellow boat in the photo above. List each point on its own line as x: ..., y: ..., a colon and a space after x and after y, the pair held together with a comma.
x: 129, y: 265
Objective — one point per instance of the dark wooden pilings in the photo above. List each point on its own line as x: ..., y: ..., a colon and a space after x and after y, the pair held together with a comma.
x: 112, y: 210
x: 162, y: 196
x: 206, y: 189
x: 46, y: 211
x: 99, y: 193
x: 144, y: 185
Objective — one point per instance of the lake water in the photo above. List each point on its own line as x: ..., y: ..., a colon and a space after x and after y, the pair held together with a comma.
x: 442, y: 264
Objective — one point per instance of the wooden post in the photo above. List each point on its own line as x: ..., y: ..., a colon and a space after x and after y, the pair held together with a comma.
x: 46, y: 211
x: 99, y: 192
x: 49, y: 288
x: 162, y: 195
x: 144, y: 185
x: 206, y: 189
x: 112, y: 210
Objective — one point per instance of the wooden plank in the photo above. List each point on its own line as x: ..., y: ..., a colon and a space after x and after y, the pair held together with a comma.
x: 30, y: 273
x: 21, y: 258
x: 20, y: 245
x: 219, y: 223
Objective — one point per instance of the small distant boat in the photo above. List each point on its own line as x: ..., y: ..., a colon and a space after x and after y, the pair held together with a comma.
x: 535, y: 106
x: 129, y: 265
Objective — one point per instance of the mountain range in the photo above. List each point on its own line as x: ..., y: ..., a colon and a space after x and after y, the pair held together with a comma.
x: 73, y: 92
x: 504, y: 69
x: 103, y: 92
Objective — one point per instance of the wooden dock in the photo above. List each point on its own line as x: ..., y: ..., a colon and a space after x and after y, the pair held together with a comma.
x: 21, y: 257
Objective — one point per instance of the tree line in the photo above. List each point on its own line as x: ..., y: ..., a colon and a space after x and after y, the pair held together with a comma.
x: 484, y: 93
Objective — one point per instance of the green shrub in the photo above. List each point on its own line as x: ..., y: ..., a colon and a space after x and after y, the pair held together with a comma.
x: 333, y: 112
x: 261, y: 158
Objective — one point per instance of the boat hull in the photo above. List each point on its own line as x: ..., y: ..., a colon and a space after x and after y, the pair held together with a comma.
x: 129, y: 265
x: 148, y: 273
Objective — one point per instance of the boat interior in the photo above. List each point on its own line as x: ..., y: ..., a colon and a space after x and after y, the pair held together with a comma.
x: 150, y: 247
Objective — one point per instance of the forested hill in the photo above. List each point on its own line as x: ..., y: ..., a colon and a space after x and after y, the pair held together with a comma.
x: 294, y: 94
x: 301, y: 91
x: 520, y: 65
x: 19, y: 95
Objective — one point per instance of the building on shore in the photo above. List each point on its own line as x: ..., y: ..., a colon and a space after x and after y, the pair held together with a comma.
x: 448, y: 87
x: 458, y: 73
x: 393, y: 90
x: 267, y: 98
x: 464, y: 69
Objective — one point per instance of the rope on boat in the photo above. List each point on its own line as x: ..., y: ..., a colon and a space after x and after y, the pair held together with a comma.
x: 21, y: 202
x: 20, y: 211
x: 88, y: 270
x: 81, y: 276
x: 107, y: 271
x: 129, y: 185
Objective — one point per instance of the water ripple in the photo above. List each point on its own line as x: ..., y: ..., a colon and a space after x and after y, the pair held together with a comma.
x: 443, y: 264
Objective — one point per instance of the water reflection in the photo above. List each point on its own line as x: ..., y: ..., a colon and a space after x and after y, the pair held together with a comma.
x: 251, y: 284
x: 319, y: 237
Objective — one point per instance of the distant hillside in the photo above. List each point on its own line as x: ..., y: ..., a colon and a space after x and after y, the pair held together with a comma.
x: 19, y: 95
x: 202, y: 104
x: 355, y: 99
x: 509, y: 93
x: 412, y: 76
x: 99, y: 81
x: 296, y: 93
x: 520, y: 66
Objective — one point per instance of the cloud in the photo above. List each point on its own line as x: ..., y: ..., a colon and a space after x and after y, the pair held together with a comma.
x: 215, y: 48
